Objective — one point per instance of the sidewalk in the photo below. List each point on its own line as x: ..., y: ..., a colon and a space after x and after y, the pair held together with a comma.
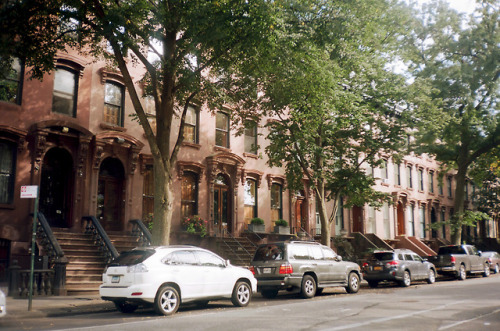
x: 53, y: 306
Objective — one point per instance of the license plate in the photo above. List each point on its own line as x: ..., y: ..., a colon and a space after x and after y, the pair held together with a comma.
x: 115, y: 279
x: 378, y: 268
x: 266, y: 270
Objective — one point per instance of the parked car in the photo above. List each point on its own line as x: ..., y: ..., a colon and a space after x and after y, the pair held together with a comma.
x: 493, y: 261
x: 307, y: 266
x: 401, y: 265
x: 460, y: 260
x: 168, y: 276
x: 3, y: 304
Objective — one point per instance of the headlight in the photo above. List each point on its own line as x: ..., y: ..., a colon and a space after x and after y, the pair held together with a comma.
x: 137, y: 268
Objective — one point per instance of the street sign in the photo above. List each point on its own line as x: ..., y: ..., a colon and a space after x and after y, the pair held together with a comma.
x: 29, y: 192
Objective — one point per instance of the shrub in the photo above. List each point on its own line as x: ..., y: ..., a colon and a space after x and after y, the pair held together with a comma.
x: 281, y: 222
x: 257, y: 221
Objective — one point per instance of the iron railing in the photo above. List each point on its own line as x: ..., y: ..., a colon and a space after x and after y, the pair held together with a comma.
x: 100, y: 237
x: 140, y: 231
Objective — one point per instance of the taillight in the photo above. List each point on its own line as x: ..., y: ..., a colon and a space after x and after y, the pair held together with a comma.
x: 453, y: 260
x: 286, y: 269
x: 365, y: 265
x: 392, y: 264
x: 252, y: 269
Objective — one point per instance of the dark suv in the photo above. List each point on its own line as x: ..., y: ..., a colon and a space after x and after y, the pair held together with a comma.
x: 401, y: 265
x: 303, y: 265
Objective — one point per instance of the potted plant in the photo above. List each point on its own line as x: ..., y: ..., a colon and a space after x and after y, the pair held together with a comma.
x: 281, y: 227
x: 257, y: 225
x: 195, y: 225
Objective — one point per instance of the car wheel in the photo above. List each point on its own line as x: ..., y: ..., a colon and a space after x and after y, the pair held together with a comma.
x: 242, y: 294
x: 125, y: 307
x: 462, y: 274
x: 406, y: 279
x: 308, y: 288
x: 432, y: 277
x: 269, y: 294
x: 352, y: 283
x: 497, y: 269
x: 167, y: 300
x: 372, y: 283
x: 486, y: 271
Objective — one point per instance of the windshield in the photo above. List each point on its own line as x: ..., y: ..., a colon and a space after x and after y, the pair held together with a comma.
x: 132, y: 257
x: 272, y: 252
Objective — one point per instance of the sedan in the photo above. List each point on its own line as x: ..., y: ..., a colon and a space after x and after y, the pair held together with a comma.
x: 493, y: 261
x: 166, y: 277
x: 3, y: 304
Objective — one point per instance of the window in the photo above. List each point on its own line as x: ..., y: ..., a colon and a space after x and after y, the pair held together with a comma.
x: 412, y: 220
x: 208, y: 259
x: 409, y: 178
x: 189, y: 194
x: 191, y: 126
x: 372, y: 226
x: 339, y: 216
x: 421, y: 179
x: 318, y: 219
x: 7, y: 171
x: 148, y: 195
x: 440, y: 187
x: 250, y: 200
x: 397, y: 174
x: 276, y: 202
x: 113, y: 104
x: 449, y: 186
x: 383, y: 171
x: 431, y: 181
x: 65, y: 92
x: 11, y: 82
x: 443, y: 219
x: 222, y: 130
x: 422, y: 221
x: 387, y: 224
x: 251, y: 138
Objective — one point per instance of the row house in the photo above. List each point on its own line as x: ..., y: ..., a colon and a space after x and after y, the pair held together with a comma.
x: 74, y: 135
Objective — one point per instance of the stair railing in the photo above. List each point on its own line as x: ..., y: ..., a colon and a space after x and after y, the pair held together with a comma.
x: 228, y: 234
x: 140, y: 231
x: 100, y: 237
x: 47, y: 239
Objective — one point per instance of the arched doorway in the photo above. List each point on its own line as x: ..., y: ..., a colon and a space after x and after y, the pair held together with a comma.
x: 56, y: 187
x: 300, y: 222
x: 401, y: 219
x: 433, y: 221
x: 222, y: 205
x: 357, y: 219
x: 110, y: 206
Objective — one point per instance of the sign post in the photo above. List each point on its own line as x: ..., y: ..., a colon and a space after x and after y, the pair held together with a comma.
x: 31, y: 192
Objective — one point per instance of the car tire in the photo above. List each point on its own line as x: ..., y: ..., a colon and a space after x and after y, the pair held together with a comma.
x: 242, y: 294
x: 496, y: 269
x: 167, y: 300
x: 352, y: 283
x: 486, y: 271
x: 462, y: 274
x: 406, y: 279
x: 432, y: 277
x: 269, y: 294
x: 372, y: 283
x: 308, y: 288
x: 125, y: 307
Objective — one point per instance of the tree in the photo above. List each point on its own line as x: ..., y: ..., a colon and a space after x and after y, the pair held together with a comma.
x: 459, y: 59
x: 325, y: 82
x: 197, y: 47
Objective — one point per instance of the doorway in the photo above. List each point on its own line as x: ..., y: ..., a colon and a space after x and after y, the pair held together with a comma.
x: 222, y: 206
x: 300, y: 221
x: 357, y: 219
x: 433, y: 221
x: 110, y: 206
x: 56, y: 187
x: 401, y: 220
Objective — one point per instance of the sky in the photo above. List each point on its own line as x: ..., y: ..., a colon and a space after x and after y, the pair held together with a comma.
x: 466, y: 6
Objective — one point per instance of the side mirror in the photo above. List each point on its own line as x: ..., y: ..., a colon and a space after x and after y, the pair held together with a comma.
x: 424, y: 259
x: 227, y: 263
x: 479, y: 253
x: 338, y: 258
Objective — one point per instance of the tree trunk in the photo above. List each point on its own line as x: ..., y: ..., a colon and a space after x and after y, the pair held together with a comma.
x: 163, y: 205
x: 459, y: 204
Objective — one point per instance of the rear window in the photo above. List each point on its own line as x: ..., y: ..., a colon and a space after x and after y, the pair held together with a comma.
x: 272, y: 252
x: 131, y: 257
x: 383, y: 256
x: 451, y: 250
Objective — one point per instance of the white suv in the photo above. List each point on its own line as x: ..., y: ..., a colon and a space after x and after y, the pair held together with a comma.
x: 168, y: 276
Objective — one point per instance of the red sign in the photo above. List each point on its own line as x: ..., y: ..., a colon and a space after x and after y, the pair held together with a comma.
x: 29, y: 192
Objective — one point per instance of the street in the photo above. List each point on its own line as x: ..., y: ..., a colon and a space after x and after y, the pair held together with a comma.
x: 446, y: 305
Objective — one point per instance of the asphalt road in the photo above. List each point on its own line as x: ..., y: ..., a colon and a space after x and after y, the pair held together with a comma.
x: 473, y: 304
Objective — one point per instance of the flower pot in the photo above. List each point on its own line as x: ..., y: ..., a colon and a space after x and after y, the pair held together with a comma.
x: 257, y: 227
x: 281, y: 229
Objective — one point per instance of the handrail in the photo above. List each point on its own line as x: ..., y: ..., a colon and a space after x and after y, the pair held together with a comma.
x: 141, y: 231
x: 239, y: 244
x: 47, y: 239
x: 101, y: 239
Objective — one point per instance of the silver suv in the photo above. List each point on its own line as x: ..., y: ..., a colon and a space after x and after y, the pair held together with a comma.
x: 307, y: 266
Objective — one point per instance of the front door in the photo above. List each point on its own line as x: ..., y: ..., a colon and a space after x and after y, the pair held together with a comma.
x: 56, y: 187
x: 110, y: 195
x: 401, y: 220
x: 357, y: 219
x: 222, y: 219
x: 299, y: 211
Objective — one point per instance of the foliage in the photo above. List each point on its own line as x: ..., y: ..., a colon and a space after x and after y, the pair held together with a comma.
x: 457, y: 58
x: 281, y: 222
x: 468, y: 218
x: 195, y: 225
x: 257, y: 221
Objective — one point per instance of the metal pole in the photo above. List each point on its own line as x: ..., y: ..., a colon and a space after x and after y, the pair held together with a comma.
x: 33, y: 239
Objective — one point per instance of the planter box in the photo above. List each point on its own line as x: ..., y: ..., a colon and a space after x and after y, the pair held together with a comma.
x: 281, y: 229
x: 257, y: 227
